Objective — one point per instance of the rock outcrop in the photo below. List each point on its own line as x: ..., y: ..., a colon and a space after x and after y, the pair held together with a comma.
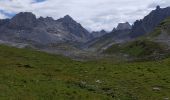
x: 124, y: 26
x: 146, y: 25
x: 26, y: 28
x: 97, y: 34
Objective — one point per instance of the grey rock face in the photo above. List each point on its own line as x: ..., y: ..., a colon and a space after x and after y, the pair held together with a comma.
x: 123, y: 26
x: 23, y: 20
x: 146, y: 25
x: 3, y: 22
x: 26, y: 28
x: 98, y: 34
x: 74, y: 27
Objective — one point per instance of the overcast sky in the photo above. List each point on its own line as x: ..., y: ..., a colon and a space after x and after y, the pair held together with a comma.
x: 92, y: 14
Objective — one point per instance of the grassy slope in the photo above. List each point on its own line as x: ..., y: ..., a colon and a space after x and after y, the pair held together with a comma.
x: 163, y: 26
x: 30, y: 75
x: 137, y: 48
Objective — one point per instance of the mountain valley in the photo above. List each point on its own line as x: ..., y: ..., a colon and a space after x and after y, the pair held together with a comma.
x: 47, y: 59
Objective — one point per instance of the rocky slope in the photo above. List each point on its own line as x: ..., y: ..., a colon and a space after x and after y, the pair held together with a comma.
x: 161, y: 33
x: 149, y: 22
x: 118, y: 35
x: 154, y: 45
x: 97, y: 34
x: 66, y: 36
x: 26, y: 28
x: 141, y: 28
x: 123, y: 26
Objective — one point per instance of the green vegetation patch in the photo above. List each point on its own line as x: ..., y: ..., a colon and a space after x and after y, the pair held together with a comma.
x: 141, y: 48
x: 164, y: 25
x: 32, y: 75
x: 138, y: 48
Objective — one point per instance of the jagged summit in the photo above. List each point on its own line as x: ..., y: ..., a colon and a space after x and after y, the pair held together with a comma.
x: 103, y: 31
x: 158, y: 7
x: 149, y: 22
x: 72, y: 26
x: 23, y: 20
x: 25, y: 14
x: 24, y: 26
x: 68, y: 17
x: 97, y: 34
x: 124, y: 26
x: 47, y: 19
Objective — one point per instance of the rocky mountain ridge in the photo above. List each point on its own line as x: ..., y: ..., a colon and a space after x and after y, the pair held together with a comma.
x: 124, y: 26
x: 149, y: 22
x: 25, y: 26
x: 96, y: 34
x: 66, y: 36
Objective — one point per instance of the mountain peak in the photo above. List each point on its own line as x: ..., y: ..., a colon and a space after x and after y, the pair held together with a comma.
x: 158, y: 7
x: 23, y: 20
x: 70, y: 24
x: 67, y: 17
x: 149, y: 22
x: 49, y: 18
x: 25, y: 14
x: 103, y: 31
x: 97, y: 34
x: 124, y: 26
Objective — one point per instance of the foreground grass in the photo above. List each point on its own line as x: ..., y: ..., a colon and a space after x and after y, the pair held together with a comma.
x: 31, y: 75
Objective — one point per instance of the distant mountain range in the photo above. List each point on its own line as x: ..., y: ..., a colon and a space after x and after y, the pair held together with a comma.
x: 125, y: 32
x: 153, y: 46
x: 25, y: 29
x: 96, y: 34
x: 123, y: 26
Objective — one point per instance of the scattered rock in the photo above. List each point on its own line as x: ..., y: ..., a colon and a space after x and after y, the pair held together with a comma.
x: 166, y: 98
x: 24, y: 66
x: 98, y: 81
x: 27, y: 66
x: 82, y: 82
x: 156, y: 89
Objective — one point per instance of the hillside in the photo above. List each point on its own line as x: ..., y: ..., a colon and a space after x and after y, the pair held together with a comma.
x: 163, y: 26
x: 149, y: 22
x: 98, y: 44
x: 161, y: 33
x: 139, y: 49
x: 141, y: 28
x: 33, y: 75
x: 152, y: 45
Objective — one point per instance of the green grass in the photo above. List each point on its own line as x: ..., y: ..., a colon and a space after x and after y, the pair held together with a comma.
x: 141, y: 48
x: 115, y: 48
x: 33, y: 75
